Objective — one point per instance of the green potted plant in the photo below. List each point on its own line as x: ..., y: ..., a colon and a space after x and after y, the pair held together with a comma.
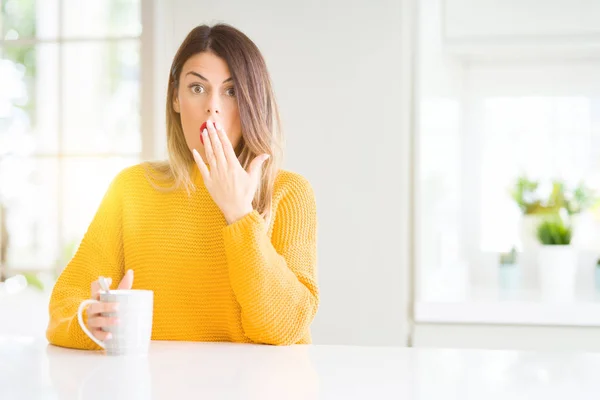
x: 557, y: 259
x: 579, y: 200
x: 526, y: 195
x: 509, y: 258
x: 509, y: 274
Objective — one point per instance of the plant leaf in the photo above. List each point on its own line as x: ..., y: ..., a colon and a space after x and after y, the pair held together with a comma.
x: 33, y: 280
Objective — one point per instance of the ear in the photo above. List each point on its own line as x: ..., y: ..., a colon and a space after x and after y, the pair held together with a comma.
x: 176, y: 107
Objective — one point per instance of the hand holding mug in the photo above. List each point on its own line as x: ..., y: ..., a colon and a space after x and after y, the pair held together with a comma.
x: 119, y: 320
x: 97, y: 319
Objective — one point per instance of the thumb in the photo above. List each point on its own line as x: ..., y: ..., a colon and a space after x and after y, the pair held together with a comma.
x: 256, y: 165
x: 127, y: 281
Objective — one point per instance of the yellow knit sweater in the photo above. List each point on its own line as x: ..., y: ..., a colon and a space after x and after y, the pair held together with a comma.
x: 244, y: 282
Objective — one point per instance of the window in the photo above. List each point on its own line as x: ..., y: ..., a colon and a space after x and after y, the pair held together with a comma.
x: 543, y: 137
x: 69, y: 118
x: 503, y: 120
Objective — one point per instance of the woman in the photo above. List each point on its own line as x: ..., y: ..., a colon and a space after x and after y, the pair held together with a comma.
x: 223, y: 236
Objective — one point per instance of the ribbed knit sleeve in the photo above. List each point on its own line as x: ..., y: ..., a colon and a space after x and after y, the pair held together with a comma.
x: 274, y: 279
x: 100, y: 253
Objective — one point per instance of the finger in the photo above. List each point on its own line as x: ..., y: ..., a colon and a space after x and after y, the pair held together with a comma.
x: 256, y: 166
x: 99, y: 308
x: 101, y: 335
x: 217, y: 146
x: 95, y: 290
x: 227, y: 146
x: 201, y: 165
x: 127, y: 281
x: 208, y: 149
x: 100, y: 322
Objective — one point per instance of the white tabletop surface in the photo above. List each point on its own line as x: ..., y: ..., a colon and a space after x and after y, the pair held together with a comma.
x: 32, y: 369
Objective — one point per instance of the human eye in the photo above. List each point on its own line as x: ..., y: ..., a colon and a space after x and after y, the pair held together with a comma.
x: 230, y: 92
x: 197, y: 88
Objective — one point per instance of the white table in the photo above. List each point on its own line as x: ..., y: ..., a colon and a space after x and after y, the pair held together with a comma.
x: 32, y: 369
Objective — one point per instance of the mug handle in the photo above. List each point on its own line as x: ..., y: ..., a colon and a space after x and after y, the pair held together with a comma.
x: 82, y: 324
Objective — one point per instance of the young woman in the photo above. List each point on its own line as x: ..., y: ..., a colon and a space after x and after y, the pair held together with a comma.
x: 223, y: 236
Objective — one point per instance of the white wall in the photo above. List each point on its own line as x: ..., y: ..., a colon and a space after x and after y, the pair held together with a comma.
x: 521, y: 19
x: 522, y: 28
x: 341, y: 71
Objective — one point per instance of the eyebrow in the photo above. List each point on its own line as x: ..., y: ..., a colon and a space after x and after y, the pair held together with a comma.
x: 204, y: 79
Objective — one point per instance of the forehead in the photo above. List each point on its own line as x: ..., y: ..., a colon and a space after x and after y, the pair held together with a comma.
x: 208, y: 65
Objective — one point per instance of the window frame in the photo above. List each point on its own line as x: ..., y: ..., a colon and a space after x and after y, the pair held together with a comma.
x: 146, y: 40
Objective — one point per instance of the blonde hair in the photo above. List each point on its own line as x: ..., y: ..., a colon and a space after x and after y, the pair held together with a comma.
x: 259, y: 114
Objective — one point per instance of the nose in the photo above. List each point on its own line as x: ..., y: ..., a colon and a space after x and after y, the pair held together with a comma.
x: 213, y: 106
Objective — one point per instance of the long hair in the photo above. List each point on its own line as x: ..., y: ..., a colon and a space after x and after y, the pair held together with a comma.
x: 259, y: 114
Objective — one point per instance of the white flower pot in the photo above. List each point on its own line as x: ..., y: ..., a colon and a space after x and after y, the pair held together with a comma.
x: 557, y: 270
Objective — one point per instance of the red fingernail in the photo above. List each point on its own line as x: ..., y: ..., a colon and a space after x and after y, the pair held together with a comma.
x: 201, y: 138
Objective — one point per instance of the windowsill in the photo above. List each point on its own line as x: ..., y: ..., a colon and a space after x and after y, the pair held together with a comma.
x: 451, y: 298
x: 509, y: 312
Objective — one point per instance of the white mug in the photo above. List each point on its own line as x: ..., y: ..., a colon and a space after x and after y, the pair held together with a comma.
x: 132, y: 334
